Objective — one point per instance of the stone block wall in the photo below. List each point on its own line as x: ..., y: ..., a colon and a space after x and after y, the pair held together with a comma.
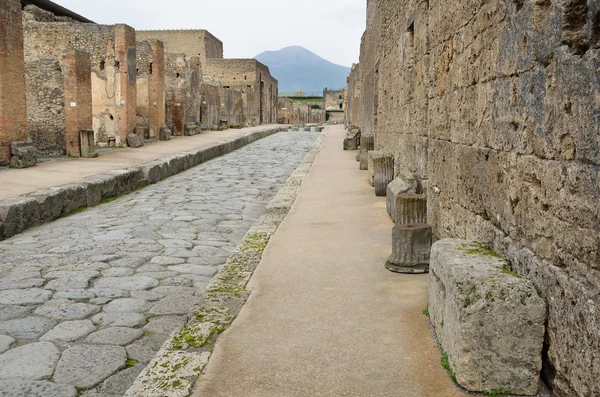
x: 45, y: 105
x: 333, y: 99
x: 151, y: 85
x: 76, y: 67
x: 495, y: 106
x: 353, y: 98
x: 193, y: 43
x: 211, y: 105
x: 13, y: 106
x: 232, y: 108
x: 113, y: 61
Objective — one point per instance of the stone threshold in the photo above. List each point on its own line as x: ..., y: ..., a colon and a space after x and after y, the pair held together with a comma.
x: 21, y: 213
x: 176, y: 368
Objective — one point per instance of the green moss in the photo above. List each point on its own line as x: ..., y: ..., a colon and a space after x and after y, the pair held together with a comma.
x: 478, y: 248
x: 110, y: 199
x: 446, y: 365
x: 255, y: 241
x: 506, y: 270
x: 500, y: 391
x: 426, y: 311
x: 132, y: 363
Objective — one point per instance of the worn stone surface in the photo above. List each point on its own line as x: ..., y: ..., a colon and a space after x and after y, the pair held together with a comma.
x: 383, y: 173
x: 85, y: 366
x: 5, y: 343
x: 19, y: 388
x: 398, y: 186
x: 411, y: 247
x: 35, y: 361
x: 494, y: 105
x: 488, y: 320
x: 24, y: 155
x: 30, y: 296
x: 115, y: 336
x: 86, y: 260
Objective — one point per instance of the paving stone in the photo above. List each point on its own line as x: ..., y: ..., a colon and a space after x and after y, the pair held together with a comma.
x: 127, y: 305
x: 33, y: 296
x: 28, y: 328
x: 130, y: 263
x: 35, y: 361
x: 151, y: 267
x: 13, y: 312
x: 118, y: 272
x: 100, y: 301
x: 119, y: 384
x: 115, y: 336
x: 158, y: 275
x: 166, y: 260
x: 147, y: 295
x: 165, y: 324
x: 77, y: 295
x: 21, y: 284
x: 109, y: 293
x: 132, y: 320
x: 141, y: 351
x: 207, y: 271
x: 85, y: 366
x: 65, y: 310
x: 126, y: 283
x: 175, y: 243
x: 21, y: 388
x: 180, y: 253
x: 69, y: 331
x: 174, y: 290
x: 175, y: 305
x: 5, y: 343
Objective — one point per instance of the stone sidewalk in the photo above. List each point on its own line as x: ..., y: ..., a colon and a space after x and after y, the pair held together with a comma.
x: 325, y: 318
x: 54, y: 173
x: 87, y: 301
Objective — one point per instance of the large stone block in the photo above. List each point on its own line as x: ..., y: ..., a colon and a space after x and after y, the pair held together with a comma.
x: 398, y: 186
x: 383, y: 173
x: 191, y: 129
x: 411, y: 247
x: 86, y: 142
x: 367, y: 144
x: 370, y: 165
x: 135, y: 140
x: 488, y: 320
x: 24, y: 155
x: 407, y: 208
x: 165, y: 134
x: 350, y: 144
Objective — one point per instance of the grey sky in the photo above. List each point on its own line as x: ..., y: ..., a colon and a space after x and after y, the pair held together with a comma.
x: 330, y: 28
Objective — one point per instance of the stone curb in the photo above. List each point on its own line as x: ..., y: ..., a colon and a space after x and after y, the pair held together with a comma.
x: 21, y: 213
x: 180, y: 362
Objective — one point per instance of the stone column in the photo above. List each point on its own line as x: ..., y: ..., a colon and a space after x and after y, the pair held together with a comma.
x: 383, y: 173
x: 370, y: 165
x: 367, y: 144
x: 411, y: 246
x: 409, y: 209
x: 13, y: 107
x: 77, y: 68
x: 157, y: 89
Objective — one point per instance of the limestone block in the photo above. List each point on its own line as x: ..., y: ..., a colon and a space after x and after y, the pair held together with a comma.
x: 487, y: 319
x: 350, y: 144
x: 406, y: 208
x: 24, y: 155
x: 370, y: 156
x: 191, y: 129
x: 135, y: 141
x: 367, y: 144
x: 383, y: 173
x: 18, y: 214
x: 398, y: 186
x: 87, y: 145
x: 411, y: 246
x: 165, y: 133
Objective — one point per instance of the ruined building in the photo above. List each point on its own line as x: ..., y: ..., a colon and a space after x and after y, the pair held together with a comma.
x: 334, y: 102
x: 494, y: 106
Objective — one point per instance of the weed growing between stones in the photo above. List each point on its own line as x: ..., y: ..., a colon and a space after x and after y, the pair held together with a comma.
x: 426, y: 311
x: 497, y: 392
x: 132, y: 363
x: 506, y: 270
x: 446, y: 365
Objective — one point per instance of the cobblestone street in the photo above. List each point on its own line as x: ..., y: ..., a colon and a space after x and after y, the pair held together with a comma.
x: 86, y: 301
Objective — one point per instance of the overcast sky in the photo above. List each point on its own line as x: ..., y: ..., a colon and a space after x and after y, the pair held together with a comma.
x: 330, y: 28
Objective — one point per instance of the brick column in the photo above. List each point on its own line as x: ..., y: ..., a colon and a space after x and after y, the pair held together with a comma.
x: 13, y: 107
x: 78, y: 98
x: 157, y: 88
x: 127, y: 97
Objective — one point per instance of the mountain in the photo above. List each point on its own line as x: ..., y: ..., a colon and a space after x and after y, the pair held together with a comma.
x: 298, y: 69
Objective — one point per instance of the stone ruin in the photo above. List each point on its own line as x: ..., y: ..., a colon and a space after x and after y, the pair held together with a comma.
x: 492, y: 106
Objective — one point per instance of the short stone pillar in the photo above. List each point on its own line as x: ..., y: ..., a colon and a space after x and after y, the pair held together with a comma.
x: 135, y: 141
x: 408, y: 208
x: 367, y: 144
x: 165, y: 133
x: 86, y: 143
x: 488, y: 320
x: 370, y: 165
x: 23, y: 155
x: 411, y: 249
x: 191, y: 129
x: 383, y: 173
x: 350, y: 144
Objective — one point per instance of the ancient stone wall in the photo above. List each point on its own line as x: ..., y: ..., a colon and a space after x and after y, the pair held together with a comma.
x: 193, y: 43
x: 254, y: 80
x: 353, y: 98
x: 45, y: 105
x: 299, y: 113
x: 13, y: 107
x: 76, y: 67
x: 333, y: 99
x: 232, y: 108
x: 151, y: 86
x: 494, y: 105
x: 211, y: 106
x: 113, y: 60
x: 183, y: 99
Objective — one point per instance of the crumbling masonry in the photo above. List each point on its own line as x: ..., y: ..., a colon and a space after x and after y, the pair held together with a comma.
x: 495, y: 106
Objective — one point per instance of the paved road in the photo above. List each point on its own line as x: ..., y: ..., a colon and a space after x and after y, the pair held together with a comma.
x: 86, y: 301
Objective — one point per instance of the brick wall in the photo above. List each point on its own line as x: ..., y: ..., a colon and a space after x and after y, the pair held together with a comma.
x: 13, y: 108
x: 78, y: 98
